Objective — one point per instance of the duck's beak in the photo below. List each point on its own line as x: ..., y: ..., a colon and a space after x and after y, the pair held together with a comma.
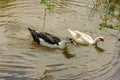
x: 104, y: 40
x: 73, y: 42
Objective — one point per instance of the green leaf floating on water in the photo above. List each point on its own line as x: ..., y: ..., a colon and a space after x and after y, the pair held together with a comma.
x: 117, y: 27
x: 49, y: 5
x: 43, y: 2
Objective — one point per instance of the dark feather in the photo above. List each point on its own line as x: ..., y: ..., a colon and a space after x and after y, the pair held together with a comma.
x: 46, y: 36
x: 34, y: 35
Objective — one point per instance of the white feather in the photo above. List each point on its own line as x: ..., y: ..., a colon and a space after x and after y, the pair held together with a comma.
x: 61, y: 44
x: 82, y: 38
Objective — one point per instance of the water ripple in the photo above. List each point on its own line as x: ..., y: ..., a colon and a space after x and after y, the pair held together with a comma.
x: 22, y: 59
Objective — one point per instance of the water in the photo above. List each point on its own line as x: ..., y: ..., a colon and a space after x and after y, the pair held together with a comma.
x: 22, y: 59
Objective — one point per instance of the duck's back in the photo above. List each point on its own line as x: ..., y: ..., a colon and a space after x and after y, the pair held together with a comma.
x: 85, y: 37
x: 49, y: 37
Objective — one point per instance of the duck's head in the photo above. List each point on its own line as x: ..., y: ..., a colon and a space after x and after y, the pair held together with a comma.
x: 101, y: 39
x: 98, y: 39
x: 69, y: 40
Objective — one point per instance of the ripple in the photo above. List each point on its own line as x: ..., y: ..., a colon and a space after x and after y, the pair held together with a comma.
x: 22, y: 59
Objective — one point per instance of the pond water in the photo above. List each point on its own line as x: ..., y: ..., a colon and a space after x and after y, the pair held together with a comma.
x: 22, y: 59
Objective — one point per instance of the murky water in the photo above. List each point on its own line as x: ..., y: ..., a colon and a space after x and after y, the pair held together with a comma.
x: 22, y: 59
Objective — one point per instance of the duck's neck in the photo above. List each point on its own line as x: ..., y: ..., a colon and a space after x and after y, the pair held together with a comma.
x: 62, y: 44
x: 95, y: 41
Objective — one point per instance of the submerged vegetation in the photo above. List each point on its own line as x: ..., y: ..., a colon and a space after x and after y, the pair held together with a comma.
x: 110, y: 10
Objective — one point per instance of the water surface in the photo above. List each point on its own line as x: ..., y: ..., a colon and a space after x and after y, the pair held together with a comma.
x: 22, y: 59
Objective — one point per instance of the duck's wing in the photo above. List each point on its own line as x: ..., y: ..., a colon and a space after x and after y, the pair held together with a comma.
x: 84, y: 36
x: 49, y: 37
x: 54, y: 39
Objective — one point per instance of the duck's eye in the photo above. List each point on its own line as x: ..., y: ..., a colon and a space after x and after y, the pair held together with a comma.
x: 70, y: 39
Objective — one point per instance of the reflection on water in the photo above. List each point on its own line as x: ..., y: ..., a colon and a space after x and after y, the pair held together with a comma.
x: 46, y: 76
x: 67, y: 54
x: 99, y: 49
x: 22, y: 59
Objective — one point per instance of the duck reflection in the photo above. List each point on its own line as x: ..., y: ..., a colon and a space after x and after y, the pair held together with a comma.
x: 46, y: 76
x: 64, y: 51
x: 67, y: 54
x: 99, y: 49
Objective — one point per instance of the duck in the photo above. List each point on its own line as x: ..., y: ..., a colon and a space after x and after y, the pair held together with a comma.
x: 49, y: 40
x: 85, y: 39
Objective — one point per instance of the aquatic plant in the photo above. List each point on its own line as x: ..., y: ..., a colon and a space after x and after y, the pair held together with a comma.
x: 110, y: 13
x: 49, y: 4
x: 117, y: 27
x: 48, y: 7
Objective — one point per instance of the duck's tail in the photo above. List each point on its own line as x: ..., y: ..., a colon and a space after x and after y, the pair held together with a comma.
x: 71, y: 32
x: 34, y: 35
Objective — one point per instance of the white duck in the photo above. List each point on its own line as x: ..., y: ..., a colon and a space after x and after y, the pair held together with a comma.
x: 83, y: 38
x: 49, y: 40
